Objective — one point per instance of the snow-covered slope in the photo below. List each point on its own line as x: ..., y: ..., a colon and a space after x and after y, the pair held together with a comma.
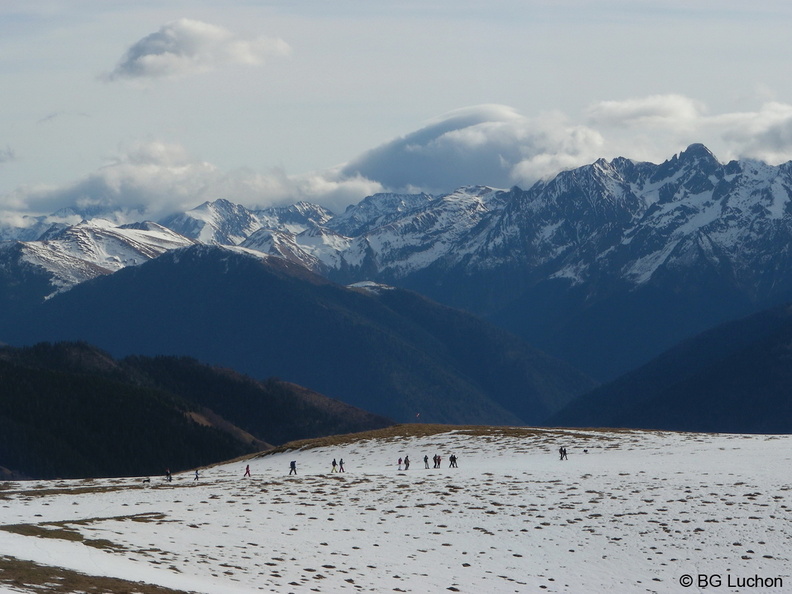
x: 639, y: 512
x: 225, y: 223
x: 92, y: 248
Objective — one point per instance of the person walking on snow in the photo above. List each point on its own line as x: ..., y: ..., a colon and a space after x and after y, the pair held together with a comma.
x: 292, y: 467
x: 426, y: 461
x: 341, y: 465
x: 247, y: 471
x: 335, y: 464
x: 400, y: 463
x: 406, y: 463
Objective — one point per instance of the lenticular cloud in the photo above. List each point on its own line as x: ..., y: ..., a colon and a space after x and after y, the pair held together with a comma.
x: 494, y: 145
x: 487, y: 144
x: 188, y: 46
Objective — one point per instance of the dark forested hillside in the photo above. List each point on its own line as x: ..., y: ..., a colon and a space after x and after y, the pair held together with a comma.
x: 71, y: 410
x: 67, y: 424
x: 274, y: 410
x: 735, y: 378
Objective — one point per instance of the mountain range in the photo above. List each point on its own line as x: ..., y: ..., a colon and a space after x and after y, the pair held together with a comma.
x: 605, y: 267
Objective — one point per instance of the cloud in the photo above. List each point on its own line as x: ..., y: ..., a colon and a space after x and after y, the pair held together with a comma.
x: 188, y: 46
x: 483, y: 145
x: 146, y: 177
x: 652, y: 111
x: 494, y: 145
x: 655, y: 127
x: 149, y: 180
x: 490, y: 145
x: 765, y: 135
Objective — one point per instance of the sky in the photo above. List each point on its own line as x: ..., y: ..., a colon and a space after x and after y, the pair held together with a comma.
x: 155, y: 107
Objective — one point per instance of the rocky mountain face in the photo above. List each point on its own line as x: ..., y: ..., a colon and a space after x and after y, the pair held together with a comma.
x: 604, y: 266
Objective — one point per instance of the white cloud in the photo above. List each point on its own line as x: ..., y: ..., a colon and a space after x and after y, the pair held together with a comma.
x: 765, y: 134
x: 652, y: 111
x: 188, y: 46
x: 489, y: 145
x: 153, y: 179
x: 655, y: 127
x: 147, y: 177
x: 494, y: 145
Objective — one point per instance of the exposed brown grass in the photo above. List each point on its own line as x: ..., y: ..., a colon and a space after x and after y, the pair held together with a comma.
x: 397, y: 432
x: 32, y: 576
x: 76, y: 490
x: 42, y: 532
x: 64, y: 531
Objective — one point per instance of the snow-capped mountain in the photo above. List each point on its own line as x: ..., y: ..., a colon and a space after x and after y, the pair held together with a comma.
x: 376, y: 211
x: 219, y: 222
x: 622, y: 219
x: 68, y: 256
x: 605, y: 265
x: 225, y: 223
x: 662, y: 250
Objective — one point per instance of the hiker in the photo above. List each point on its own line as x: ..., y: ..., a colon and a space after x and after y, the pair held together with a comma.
x: 292, y: 467
x: 406, y: 463
x: 335, y: 464
x: 168, y: 475
x: 196, y: 475
x: 247, y: 471
x: 453, y: 459
x: 426, y: 461
x: 341, y: 465
x: 565, y: 454
x: 400, y: 463
x: 561, y: 453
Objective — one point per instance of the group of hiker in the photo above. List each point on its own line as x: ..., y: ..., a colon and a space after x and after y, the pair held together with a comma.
x: 402, y: 463
x: 437, y: 460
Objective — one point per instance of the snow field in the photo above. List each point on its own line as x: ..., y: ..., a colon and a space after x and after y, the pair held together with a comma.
x: 636, y: 513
